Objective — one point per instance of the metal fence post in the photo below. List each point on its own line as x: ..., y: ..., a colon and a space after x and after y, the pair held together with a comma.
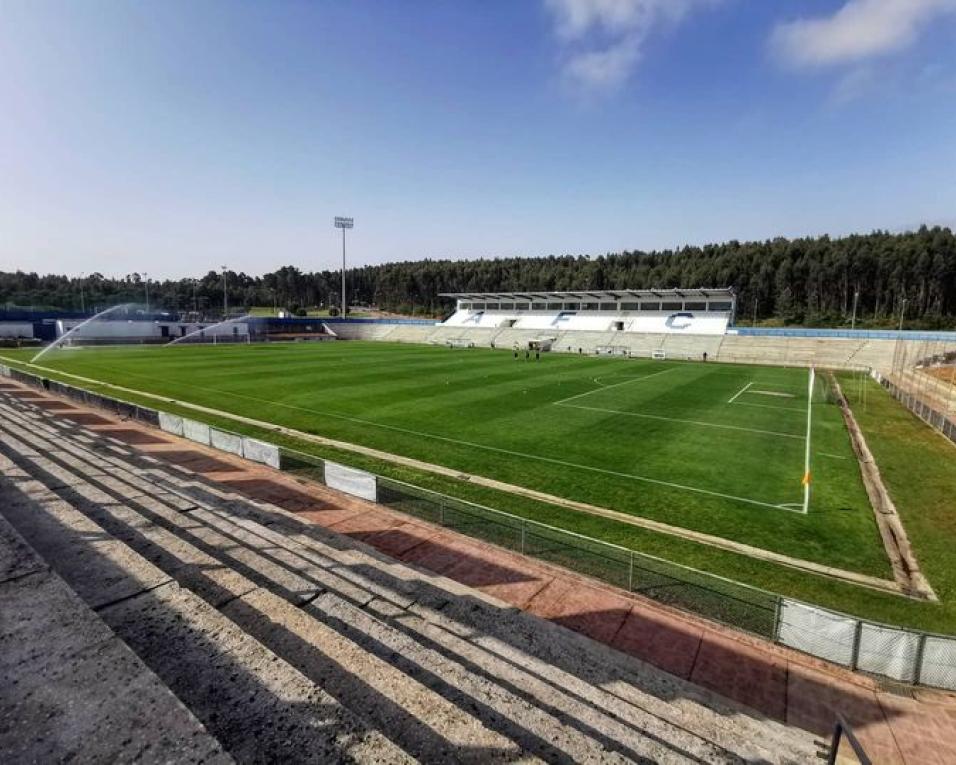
x: 777, y: 606
x: 856, y: 644
x: 918, y: 660
x: 524, y: 526
x: 630, y: 573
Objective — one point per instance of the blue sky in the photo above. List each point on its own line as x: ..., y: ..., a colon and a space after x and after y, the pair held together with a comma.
x: 173, y: 137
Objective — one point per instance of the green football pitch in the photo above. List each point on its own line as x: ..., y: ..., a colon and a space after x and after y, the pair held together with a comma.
x: 715, y: 448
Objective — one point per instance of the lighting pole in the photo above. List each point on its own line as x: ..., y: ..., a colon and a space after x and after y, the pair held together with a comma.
x: 856, y: 297
x: 902, y: 311
x: 195, y: 299
x: 225, y: 299
x: 146, y: 277
x: 343, y: 223
x: 82, y: 296
x: 754, y: 324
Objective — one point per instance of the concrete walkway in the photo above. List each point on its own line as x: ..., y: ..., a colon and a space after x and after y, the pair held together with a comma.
x: 763, y: 682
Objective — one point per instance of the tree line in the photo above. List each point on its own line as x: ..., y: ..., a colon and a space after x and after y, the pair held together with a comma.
x: 810, y: 280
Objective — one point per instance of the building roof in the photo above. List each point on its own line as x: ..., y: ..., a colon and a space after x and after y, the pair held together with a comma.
x: 706, y: 293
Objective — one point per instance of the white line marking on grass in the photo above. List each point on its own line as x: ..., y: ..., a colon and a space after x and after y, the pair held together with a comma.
x: 773, y: 393
x: 741, y: 391
x: 833, y: 456
x: 770, y: 406
x: 616, y: 385
x: 678, y: 419
x: 447, y: 439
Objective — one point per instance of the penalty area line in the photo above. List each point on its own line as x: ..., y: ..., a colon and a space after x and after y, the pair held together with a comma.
x: 740, y: 392
x: 770, y: 406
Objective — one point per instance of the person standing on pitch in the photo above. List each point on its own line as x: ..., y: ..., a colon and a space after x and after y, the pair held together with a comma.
x: 515, y: 349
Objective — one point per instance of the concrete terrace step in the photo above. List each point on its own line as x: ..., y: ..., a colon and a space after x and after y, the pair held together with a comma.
x: 442, y: 671
x: 69, y: 688
x: 257, y: 706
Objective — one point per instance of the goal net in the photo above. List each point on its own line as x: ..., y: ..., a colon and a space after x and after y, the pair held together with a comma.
x: 659, y: 354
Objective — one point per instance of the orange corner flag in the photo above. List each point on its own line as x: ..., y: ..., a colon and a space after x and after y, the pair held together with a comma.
x: 806, y: 478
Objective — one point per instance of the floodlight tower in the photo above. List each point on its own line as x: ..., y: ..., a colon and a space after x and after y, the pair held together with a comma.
x: 343, y: 223
x: 225, y: 299
x: 146, y: 282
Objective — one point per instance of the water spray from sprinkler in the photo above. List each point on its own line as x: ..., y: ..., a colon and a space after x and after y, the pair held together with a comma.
x: 68, y: 335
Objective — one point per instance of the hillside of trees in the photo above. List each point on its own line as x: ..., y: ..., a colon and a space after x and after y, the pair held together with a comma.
x: 809, y: 281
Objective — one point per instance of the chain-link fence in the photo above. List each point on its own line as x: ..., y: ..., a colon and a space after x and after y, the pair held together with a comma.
x: 723, y: 600
x: 932, y: 415
x: 908, y: 656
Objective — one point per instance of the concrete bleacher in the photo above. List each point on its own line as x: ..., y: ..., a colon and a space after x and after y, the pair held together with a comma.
x: 410, y: 333
x: 480, y: 336
x: 80, y: 691
x: 843, y: 353
x: 805, y: 351
x: 362, y: 331
x: 278, y: 640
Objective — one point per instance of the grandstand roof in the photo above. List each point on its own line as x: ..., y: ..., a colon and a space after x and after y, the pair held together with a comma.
x: 701, y: 292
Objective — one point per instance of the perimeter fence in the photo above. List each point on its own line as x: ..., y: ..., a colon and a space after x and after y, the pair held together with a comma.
x: 930, y: 413
x: 909, y: 656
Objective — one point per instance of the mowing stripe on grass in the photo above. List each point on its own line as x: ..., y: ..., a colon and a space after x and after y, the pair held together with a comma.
x: 699, y: 423
x: 447, y: 439
x: 513, y: 453
x: 865, y: 580
x: 616, y: 385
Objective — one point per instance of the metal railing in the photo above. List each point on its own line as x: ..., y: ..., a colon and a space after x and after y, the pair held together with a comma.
x: 845, y: 747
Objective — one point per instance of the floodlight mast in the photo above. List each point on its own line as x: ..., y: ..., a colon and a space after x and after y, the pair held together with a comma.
x: 343, y: 223
x: 225, y: 298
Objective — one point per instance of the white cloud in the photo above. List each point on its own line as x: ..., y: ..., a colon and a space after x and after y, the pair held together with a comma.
x: 603, y: 39
x: 859, y: 30
x: 853, y: 85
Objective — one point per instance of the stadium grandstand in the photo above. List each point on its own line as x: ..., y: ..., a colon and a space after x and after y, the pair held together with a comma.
x: 686, y: 311
x: 659, y: 323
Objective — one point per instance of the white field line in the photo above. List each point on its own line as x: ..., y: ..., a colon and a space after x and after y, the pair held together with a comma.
x: 770, y: 406
x: 699, y: 423
x: 615, y: 385
x: 740, y: 392
x: 773, y: 393
x: 832, y: 456
x: 420, y: 434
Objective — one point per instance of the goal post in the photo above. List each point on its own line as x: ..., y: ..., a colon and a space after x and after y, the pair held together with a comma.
x: 659, y: 354
x: 807, y: 479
